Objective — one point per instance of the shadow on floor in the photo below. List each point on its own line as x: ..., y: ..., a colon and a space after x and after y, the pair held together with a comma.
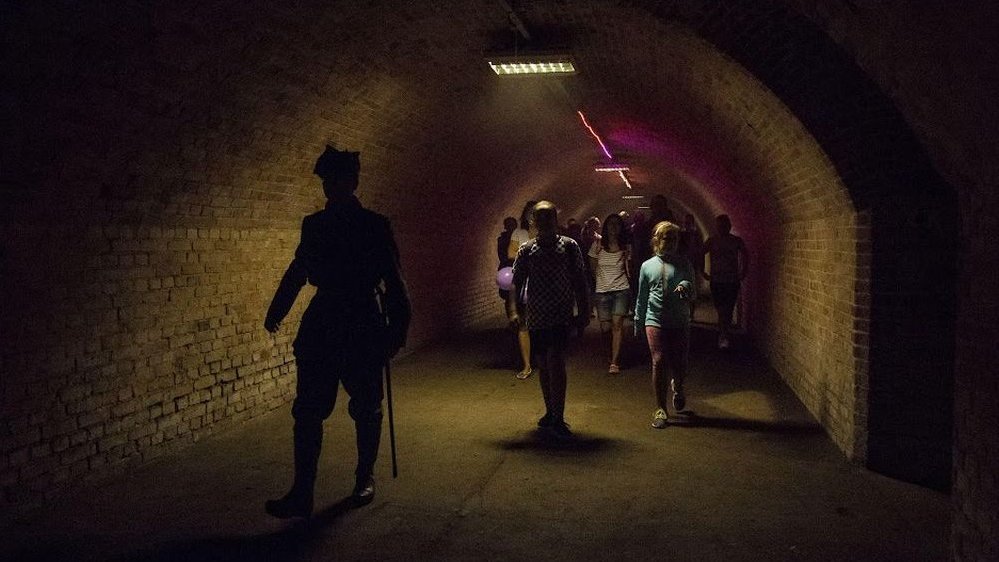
x: 691, y: 419
x: 541, y: 442
x: 294, y: 542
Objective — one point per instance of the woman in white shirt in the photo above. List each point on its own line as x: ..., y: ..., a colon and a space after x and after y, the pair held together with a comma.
x: 609, y: 259
x: 519, y: 236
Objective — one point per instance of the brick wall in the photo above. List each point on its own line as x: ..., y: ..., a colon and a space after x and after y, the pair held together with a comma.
x: 756, y: 161
x: 937, y: 65
x: 153, y: 185
x: 888, y: 174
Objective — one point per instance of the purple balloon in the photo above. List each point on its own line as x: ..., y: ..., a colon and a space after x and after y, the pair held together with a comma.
x: 504, y: 278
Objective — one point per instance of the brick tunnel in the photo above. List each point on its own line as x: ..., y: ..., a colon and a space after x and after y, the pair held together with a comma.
x: 157, y: 163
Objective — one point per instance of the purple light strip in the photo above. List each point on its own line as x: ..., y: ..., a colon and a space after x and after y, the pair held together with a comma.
x: 595, y: 135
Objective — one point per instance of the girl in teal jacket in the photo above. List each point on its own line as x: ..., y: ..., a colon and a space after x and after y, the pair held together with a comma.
x: 665, y: 292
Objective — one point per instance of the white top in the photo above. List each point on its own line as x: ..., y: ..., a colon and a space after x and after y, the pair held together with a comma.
x: 611, y: 271
x: 517, y: 237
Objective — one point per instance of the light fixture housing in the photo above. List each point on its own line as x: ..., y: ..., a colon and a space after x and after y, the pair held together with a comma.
x: 531, y: 64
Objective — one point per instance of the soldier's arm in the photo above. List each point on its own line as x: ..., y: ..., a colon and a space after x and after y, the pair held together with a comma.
x: 291, y: 283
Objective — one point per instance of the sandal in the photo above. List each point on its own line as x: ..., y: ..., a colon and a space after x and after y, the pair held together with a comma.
x: 525, y: 373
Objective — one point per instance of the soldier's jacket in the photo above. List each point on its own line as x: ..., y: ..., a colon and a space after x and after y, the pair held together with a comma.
x: 348, y: 252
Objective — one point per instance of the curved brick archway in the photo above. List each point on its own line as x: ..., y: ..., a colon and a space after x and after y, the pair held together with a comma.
x: 905, y: 338
x: 163, y: 161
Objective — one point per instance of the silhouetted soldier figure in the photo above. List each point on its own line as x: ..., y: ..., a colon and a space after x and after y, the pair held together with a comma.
x: 348, y: 253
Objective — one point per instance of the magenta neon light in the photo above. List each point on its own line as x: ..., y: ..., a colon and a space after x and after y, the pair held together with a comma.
x: 595, y: 135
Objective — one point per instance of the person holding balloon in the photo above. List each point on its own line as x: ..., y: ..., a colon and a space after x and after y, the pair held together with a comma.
x: 521, y: 235
x: 503, y: 252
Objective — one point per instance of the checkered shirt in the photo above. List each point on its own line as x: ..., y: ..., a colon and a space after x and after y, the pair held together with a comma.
x: 553, y: 274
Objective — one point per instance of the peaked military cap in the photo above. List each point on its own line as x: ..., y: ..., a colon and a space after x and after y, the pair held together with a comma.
x: 333, y: 163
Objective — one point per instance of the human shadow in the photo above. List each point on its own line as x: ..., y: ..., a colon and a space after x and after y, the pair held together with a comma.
x: 690, y: 418
x: 293, y: 542
x: 542, y: 441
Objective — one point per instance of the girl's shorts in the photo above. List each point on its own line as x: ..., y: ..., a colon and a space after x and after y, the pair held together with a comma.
x: 613, y: 303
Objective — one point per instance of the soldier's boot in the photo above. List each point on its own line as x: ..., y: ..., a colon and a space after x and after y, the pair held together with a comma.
x: 298, y: 501
x: 369, y: 435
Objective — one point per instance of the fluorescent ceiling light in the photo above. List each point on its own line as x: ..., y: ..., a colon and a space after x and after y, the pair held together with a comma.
x: 611, y: 168
x: 532, y: 64
x: 632, y: 197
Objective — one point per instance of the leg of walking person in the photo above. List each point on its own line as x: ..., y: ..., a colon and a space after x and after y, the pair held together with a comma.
x: 724, y: 295
x: 524, y: 341
x: 605, y: 314
x: 540, y: 355
x: 678, y: 346
x: 660, y: 380
x: 619, y: 308
x: 617, y: 329
x: 316, y: 390
x: 558, y: 379
x: 363, y: 382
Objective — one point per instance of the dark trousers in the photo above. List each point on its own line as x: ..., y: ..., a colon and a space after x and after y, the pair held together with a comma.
x: 548, y: 347
x: 319, y: 376
x: 725, y: 296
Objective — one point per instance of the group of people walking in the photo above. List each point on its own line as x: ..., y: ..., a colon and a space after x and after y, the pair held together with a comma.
x: 360, y: 315
x: 554, y: 286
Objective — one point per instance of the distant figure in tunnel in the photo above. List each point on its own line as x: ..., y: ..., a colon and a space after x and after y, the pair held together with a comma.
x: 659, y: 211
x: 727, y: 262
x: 525, y: 232
x: 347, y: 333
x: 589, y: 235
x: 551, y: 266
x: 662, y: 308
x: 692, y: 246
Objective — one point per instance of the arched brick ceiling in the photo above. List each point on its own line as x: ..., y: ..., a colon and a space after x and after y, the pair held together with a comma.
x: 213, y: 115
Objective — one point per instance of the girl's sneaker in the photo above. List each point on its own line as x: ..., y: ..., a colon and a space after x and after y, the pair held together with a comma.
x: 613, y: 369
x: 660, y: 419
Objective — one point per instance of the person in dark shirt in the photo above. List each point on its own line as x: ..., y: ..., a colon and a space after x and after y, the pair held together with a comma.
x: 659, y: 211
x: 347, y: 333
x: 728, y: 259
x: 550, y: 266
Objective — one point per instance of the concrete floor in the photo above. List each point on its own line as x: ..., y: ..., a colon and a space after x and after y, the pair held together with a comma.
x: 752, y: 477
